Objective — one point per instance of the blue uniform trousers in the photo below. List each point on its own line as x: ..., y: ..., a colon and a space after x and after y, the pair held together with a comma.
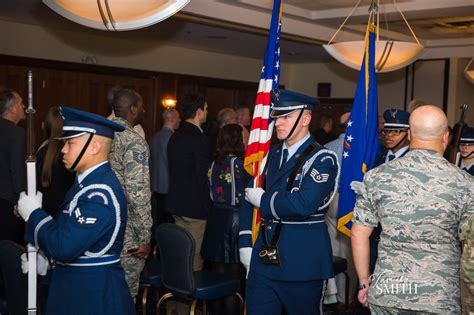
x: 267, y: 296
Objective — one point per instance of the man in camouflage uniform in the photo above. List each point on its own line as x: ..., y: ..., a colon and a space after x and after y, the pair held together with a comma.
x: 467, y: 268
x: 422, y: 201
x: 129, y: 159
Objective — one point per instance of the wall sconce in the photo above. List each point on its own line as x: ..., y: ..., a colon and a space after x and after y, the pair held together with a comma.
x: 168, y: 103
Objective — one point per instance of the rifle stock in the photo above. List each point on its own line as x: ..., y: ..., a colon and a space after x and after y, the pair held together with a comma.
x: 457, y: 131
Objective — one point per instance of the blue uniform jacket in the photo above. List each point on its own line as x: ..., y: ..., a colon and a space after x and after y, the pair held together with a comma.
x: 471, y: 170
x: 380, y: 158
x: 304, y: 245
x: 85, y: 240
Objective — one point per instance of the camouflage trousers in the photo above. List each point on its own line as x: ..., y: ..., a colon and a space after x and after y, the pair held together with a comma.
x: 382, y: 310
x: 133, y: 267
x: 467, y: 298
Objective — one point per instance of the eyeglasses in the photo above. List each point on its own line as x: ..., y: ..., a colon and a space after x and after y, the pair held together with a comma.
x: 394, y: 132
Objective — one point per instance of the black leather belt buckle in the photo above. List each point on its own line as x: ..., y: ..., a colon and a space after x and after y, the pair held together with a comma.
x: 269, y: 255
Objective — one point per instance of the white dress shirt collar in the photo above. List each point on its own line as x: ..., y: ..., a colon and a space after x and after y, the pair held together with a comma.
x: 292, y: 149
x: 398, y: 154
x: 80, y: 177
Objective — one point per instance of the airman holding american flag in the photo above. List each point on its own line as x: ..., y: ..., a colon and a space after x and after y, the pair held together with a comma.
x: 292, y: 257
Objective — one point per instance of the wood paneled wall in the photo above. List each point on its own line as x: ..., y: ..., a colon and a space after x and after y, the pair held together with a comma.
x: 333, y: 107
x: 85, y: 87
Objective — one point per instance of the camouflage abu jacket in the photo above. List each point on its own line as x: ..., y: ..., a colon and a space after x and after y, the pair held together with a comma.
x: 422, y: 202
x: 129, y: 159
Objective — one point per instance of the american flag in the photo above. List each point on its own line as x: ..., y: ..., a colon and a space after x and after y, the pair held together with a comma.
x: 262, y: 124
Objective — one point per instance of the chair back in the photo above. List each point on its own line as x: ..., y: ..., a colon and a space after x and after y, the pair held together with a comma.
x: 176, y: 247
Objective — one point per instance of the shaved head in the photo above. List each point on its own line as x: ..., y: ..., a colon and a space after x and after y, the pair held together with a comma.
x: 428, y: 128
x: 428, y: 122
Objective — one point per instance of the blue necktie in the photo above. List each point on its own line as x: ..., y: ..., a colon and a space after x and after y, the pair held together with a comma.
x: 284, y: 157
x: 391, y: 157
x: 75, y: 187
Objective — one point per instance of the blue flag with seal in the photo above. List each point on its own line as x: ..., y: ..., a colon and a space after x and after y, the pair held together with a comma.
x: 361, y: 140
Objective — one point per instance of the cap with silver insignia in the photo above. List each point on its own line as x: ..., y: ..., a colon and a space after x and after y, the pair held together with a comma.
x: 396, y: 119
x: 286, y: 102
x: 77, y: 123
x: 467, y: 136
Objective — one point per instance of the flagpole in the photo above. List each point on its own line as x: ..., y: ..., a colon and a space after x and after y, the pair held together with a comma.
x: 361, y: 139
x: 262, y: 124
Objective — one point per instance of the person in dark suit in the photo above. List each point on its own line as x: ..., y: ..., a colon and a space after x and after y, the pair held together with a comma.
x: 159, y: 165
x: 12, y: 164
x: 86, y: 238
x: 466, y: 148
x: 395, y: 131
x: 292, y: 257
x: 323, y: 133
x: 189, y: 160
x: 54, y: 180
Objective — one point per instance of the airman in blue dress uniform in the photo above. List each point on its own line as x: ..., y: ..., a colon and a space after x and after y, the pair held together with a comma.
x: 86, y: 237
x: 395, y: 130
x: 292, y: 257
x: 466, y: 148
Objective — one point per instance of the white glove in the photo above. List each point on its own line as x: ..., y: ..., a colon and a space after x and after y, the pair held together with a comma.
x: 254, y: 196
x: 42, y: 263
x: 357, y: 187
x: 245, y: 254
x: 28, y: 204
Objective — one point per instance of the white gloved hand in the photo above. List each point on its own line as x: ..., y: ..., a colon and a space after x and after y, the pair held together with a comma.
x: 27, y: 204
x: 245, y: 254
x: 254, y: 196
x: 42, y: 263
x: 357, y: 187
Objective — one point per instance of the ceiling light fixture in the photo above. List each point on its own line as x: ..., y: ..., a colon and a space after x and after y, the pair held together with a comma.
x: 390, y: 55
x: 469, y: 71
x: 116, y: 15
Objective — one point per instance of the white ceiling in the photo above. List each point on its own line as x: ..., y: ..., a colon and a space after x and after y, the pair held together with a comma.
x: 238, y: 27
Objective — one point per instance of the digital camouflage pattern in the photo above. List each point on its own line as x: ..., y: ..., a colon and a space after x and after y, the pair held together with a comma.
x: 467, y: 268
x: 422, y: 202
x: 382, y: 310
x: 129, y: 159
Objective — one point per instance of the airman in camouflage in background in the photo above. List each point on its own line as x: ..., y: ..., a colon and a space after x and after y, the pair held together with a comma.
x: 467, y: 268
x: 129, y: 159
x: 421, y: 201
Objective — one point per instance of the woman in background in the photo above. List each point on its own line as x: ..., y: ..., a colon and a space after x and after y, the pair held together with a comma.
x: 54, y: 180
x: 227, y: 179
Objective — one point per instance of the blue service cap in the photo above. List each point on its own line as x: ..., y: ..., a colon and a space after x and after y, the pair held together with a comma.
x: 77, y: 123
x: 467, y: 136
x: 396, y: 119
x: 285, y: 102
